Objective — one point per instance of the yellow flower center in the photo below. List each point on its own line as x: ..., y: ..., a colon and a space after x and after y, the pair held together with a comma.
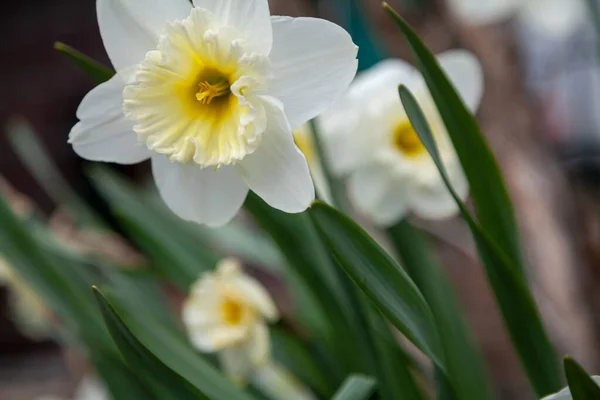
x: 406, y: 140
x: 208, y: 91
x: 232, y: 311
x: 194, y: 98
x: 304, y: 142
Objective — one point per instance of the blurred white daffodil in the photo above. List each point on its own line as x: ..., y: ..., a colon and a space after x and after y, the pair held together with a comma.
x: 90, y: 388
x: 565, y: 394
x: 227, y: 312
x: 556, y: 18
x: 370, y: 138
x: 211, y: 93
x: 27, y: 309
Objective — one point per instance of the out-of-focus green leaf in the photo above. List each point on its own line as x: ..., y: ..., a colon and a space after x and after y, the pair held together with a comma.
x: 176, y: 251
x: 30, y: 150
x: 175, y: 352
x: 582, y: 386
x: 465, y: 369
x: 119, y: 379
x: 298, y: 240
x: 163, y: 381
x: 516, y: 303
x: 380, y: 278
x: 355, y: 387
x: 394, y: 374
x: 298, y: 358
x: 98, y: 72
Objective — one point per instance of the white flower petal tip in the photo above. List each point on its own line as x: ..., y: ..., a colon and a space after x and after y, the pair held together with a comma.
x: 227, y: 311
x: 203, y: 195
x: 466, y: 74
x: 202, y: 91
x: 565, y: 394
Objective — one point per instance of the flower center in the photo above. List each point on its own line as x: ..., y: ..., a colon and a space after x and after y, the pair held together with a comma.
x: 195, y: 98
x: 406, y: 140
x: 232, y: 311
x: 210, y: 90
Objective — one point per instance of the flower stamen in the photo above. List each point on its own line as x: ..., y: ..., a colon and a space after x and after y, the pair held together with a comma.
x: 208, y: 91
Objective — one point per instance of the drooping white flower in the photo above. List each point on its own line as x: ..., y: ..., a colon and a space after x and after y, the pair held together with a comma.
x: 28, y: 310
x: 211, y: 94
x: 565, y: 394
x: 227, y: 312
x: 370, y: 138
x: 555, y: 18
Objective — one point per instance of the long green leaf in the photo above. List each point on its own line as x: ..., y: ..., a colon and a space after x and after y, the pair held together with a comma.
x: 466, y: 371
x: 582, y: 386
x: 98, y: 72
x: 494, y: 209
x: 174, y: 350
x: 164, y: 382
x: 516, y: 303
x: 379, y: 277
x: 355, y: 387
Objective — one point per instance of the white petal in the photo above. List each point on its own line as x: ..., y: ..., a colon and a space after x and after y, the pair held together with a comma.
x: 103, y: 133
x: 314, y: 61
x: 130, y: 28
x: 250, y: 17
x: 375, y: 192
x: 554, y: 18
x: 255, y: 293
x: 205, y: 196
x: 278, y: 171
x: 466, y: 74
x: 259, y: 345
x: 432, y: 200
x: 236, y: 363
x: 483, y: 12
x: 218, y: 337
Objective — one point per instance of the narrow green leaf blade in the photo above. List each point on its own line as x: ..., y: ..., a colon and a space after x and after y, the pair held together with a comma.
x: 379, y: 277
x: 175, y: 352
x: 516, y: 303
x: 165, y: 383
x: 490, y: 197
x: 355, y: 387
x: 466, y: 371
x: 582, y: 386
x: 98, y: 72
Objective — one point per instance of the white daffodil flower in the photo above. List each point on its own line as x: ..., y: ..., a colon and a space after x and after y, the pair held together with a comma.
x: 28, y: 310
x: 565, y: 394
x: 370, y: 138
x: 227, y: 312
x: 211, y: 93
x: 556, y: 18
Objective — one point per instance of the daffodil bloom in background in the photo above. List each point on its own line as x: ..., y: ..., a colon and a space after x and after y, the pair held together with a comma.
x: 556, y: 18
x: 211, y: 93
x: 565, y: 394
x: 227, y: 313
x: 370, y: 139
x: 28, y: 311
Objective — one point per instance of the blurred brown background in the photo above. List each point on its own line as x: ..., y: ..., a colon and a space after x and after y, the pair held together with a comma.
x: 541, y: 114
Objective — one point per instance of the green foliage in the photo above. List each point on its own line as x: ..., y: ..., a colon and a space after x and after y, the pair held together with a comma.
x: 98, y: 72
x: 581, y: 385
x: 355, y: 387
x: 163, y: 382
